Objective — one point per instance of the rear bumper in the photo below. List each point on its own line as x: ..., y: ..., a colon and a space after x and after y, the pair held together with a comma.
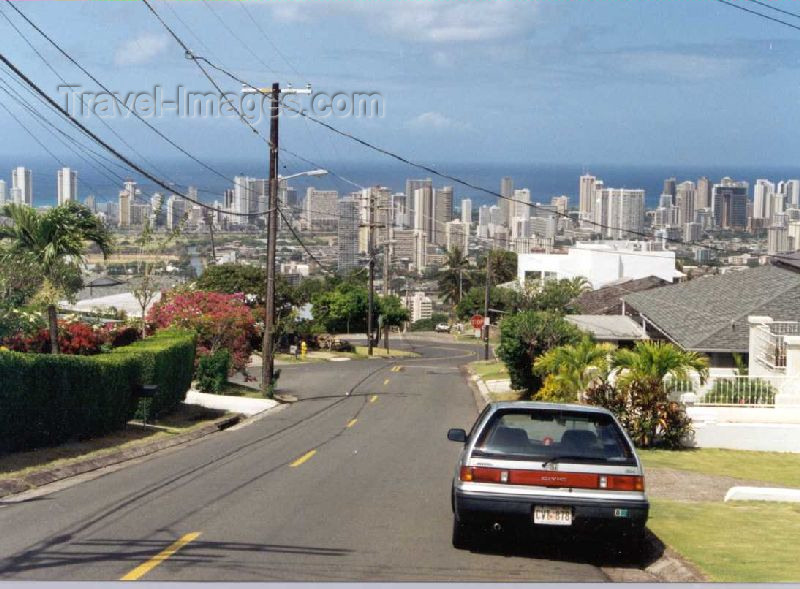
x: 517, y: 512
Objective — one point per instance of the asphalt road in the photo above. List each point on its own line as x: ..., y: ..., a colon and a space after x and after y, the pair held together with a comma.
x: 335, y: 487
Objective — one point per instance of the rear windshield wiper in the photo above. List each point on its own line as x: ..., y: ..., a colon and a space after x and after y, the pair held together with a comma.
x: 555, y: 459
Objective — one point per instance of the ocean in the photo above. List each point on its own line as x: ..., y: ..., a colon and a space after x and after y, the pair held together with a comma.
x: 543, y: 180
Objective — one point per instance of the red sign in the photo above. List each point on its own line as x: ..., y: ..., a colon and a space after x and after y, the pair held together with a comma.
x: 477, y: 321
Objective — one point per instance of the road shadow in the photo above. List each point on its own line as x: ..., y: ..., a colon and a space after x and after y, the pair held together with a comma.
x: 599, y: 550
x: 63, y: 551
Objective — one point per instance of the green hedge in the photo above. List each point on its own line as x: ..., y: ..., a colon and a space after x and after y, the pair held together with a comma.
x: 46, y: 399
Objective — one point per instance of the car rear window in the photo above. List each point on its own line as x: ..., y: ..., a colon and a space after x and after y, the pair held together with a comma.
x: 547, y: 434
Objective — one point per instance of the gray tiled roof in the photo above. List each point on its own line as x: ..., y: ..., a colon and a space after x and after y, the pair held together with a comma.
x: 710, y: 313
x: 609, y: 327
x: 607, y: 299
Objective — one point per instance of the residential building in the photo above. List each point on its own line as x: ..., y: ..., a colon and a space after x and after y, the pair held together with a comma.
x: 457, y: 235
x: 443, y: 214
x: 3, y: 195
x: 67, y: 181
x: 587, y: 195
x: 778, y: 241
x: 320, y: 209
x: 22, y: 186
x: 619, y: 212
x: 124, y: 207
x: 504, y: 203
x: 561, y: 203
x: 685, y: 197
x: 710, y: 314
x: 703, y: 194
x: 607, y: 300
x: 670, y: 188
x: 419, y: 306
x: 762, y: 195
x: 619, y: 330
x: 601, y: 263
x: 692, y: 232
x: 175, y: 210
x: 91, y: 203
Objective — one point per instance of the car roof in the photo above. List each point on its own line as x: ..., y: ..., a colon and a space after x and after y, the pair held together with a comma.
x: 550, y: 406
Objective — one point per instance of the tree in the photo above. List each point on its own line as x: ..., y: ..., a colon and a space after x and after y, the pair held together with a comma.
x: 504, y: 300
x: 504, y: 266
x: 54, y: 242
x: 393, y: 311
x: 569, y: 369
x: 527, y: 335
x: 455, y: 279
x: 642, y: 377
x: 343, y: 309
x: 233, y: 278
x: 553, y: 295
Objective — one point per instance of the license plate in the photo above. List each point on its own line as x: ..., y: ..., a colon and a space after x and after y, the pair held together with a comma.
x: 552, y: 515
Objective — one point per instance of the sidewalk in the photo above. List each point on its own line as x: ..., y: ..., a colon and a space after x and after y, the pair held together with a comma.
x: 244, y: 405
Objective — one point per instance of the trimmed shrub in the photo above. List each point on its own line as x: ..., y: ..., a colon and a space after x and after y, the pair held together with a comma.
x: 212, y: 371
x: 47, y: 399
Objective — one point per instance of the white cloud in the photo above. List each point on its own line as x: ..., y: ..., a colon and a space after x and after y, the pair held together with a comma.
x: 141, y: 49
x: 681, y: 65
x: 436, y: 120
x: 290, y: 11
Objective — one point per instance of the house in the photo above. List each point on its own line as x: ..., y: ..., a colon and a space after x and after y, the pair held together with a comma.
x: 601, y: 263
x: 620, y: 330
x: 608, y: 299
x: 710, y: 314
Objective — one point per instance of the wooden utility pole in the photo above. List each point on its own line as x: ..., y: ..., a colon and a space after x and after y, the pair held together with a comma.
x: 268, y: 345
x: 371, y: 254
x: 486, y: 305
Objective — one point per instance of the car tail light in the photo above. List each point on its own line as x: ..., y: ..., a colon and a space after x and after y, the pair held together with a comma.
x: 625, y: 483
x: 548, y: 478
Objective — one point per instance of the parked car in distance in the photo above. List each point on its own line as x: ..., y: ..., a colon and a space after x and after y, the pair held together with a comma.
x: 442, y: 328
x: 536, y: 467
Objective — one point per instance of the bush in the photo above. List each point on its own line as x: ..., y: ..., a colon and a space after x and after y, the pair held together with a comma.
x: 48, y: 399
x: 737, y: 391
x: 527, y: 335
x: 212, y: 371
x: 429, y: 324
x: 74, y: 339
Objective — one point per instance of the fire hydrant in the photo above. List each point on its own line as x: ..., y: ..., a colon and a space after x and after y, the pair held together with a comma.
x: 303, y: 349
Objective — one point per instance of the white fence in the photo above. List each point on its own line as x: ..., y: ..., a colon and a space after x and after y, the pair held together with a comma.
x: 731, y: 391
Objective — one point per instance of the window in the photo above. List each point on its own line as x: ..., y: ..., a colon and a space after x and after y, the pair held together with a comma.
x: 542, y: 434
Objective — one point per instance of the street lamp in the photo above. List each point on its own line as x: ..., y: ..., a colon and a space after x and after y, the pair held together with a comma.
x: 311, y: 173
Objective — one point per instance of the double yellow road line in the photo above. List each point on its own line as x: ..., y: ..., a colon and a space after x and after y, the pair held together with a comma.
x: 148, y: 566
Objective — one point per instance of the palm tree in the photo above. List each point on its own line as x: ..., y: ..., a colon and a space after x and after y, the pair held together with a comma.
x: 454, y: 281
x: 54, y: 241
x: 573, y: 367
x: 651, y: 362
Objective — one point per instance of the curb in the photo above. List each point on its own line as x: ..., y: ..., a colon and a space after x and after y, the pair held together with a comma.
x: 777, y: 494
x: 12, y: 486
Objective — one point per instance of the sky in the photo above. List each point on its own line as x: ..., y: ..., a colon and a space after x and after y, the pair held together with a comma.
x: 634, y: 82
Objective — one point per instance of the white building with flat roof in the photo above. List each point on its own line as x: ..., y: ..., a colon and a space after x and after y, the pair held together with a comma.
x: 600, y: 262
x: 419, y: 306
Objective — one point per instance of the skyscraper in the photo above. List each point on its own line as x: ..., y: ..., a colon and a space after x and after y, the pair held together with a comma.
x: 67, y: 185
x: 466, y: 211
x: 22, y: 185
x: 685, y: 197
x: 2, y: 192
x: 521, y: 207
x: 321, y: 209
x: 348, y: 230
x: 443, y: 214
x: 124, y: 209
x: 670, y: 188
x: 762, y: 194
x: 91, y: 203
x: 703, y: 194
x: 729, y: 204
x: 586, y: 192
x: 507, y: 192
x: 619, y: 212
x: 422, y: 210
x: 175, y: 210
x: 561, y: 203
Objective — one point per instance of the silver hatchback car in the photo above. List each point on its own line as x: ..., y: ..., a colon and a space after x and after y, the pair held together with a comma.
x: 541, y: 466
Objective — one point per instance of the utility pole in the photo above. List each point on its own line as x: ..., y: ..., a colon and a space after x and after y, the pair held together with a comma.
x: 486, y: 305
x: 387, y: 255
x: 268, y: 343
x: 371, y: 254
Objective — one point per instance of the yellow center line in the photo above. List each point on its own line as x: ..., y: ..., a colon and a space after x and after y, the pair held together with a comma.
x: 148, y: 566
x: 373, y: 398
x: 352, y: 422
x: 303, y: 458
x: 385, y: 382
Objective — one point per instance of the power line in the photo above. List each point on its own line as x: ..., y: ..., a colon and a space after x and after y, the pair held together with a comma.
x: 760, y: 14
x: 776, y: 9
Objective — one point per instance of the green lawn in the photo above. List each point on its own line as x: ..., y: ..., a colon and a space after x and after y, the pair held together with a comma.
x: 491, y: 370
x: 733, y: 542
x: 772, y: 467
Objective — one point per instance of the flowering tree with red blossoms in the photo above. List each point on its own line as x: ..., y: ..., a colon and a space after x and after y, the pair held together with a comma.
x: 222, y: 321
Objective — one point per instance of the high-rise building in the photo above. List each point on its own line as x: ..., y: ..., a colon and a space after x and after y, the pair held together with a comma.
x: 685, y: 197
x: 507, y: 192
x: 670, y: 187
x: 521, y: 207
x: 457, y: 235
x: 22, y: 186
x: 91, y: 203
x: 762, y: 195
x: 692, y: 232
x: 419, y: 306
x: 422, y: 210
x: 158, y: 216
x: 443, y: 214
x: 242, y: 196
x: 321, y: 209
x: 124, y: 208
x: 175, y: 210
x: 729, y: 204
x: 67, y: 181
x: 793, y: 193
x: 778, y: 241
x: 703, y: 194
x: 619, y: 212
x: 2, y: 192
x: 561, y: 203
x: 466, y: 211
x: 349, y: 221
x: 586, y: 190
